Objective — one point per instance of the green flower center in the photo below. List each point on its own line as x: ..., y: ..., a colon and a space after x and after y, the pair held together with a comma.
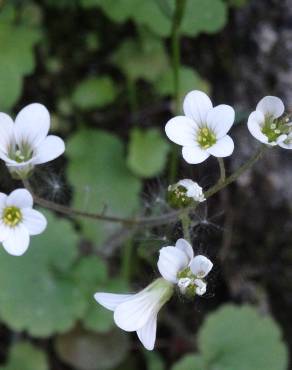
x: 186, y: 273
x: 273, y: 128
x: 177, y: 197
x: 11, y: 216
x: 20, y: 153
x: 206, y: 137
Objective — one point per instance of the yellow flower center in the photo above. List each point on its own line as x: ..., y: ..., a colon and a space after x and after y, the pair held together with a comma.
x: 11, y: 216
x: 206, y: 137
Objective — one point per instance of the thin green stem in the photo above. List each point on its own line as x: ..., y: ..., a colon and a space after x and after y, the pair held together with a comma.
x: 220, y: 185
x: 175, y: 51
x: 143, y: 221
x: 222, y: 170
x: 186, y: 223
x: 175, y: 44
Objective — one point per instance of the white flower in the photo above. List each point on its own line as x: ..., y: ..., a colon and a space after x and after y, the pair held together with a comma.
x: 179, y: 266
x: 138, y: 312
x: 202, y: 131
x: 24, y: 143
x: 193, y: 190
x: 201, y: 266
x: 201, y: 286
x: 18, y: 221
x: 268, y: 126
x: 184, y: 283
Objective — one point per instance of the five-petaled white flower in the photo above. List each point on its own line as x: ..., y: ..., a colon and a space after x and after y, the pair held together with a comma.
x: 178, y: 265
x: 18, y: 221
x: 268, y: 125
x: 24, y: 143
x: 138, y: 312
x: 202, y: 131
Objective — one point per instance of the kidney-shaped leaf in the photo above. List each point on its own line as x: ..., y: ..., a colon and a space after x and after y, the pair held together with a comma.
x: 36, y: 292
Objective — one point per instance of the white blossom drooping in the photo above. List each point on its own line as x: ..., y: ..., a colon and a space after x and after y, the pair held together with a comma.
x: 138, y: 312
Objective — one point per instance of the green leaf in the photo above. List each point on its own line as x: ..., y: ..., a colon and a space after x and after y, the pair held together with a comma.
x: 145, y: 59
x: 102, y: 182
x: 148, y: 151
x: 91, y: 275
x: 116, y: 10
x: 154, y: 361
x: 152, y: 15
x: 189, y: 80
x: 240, y: 338
x: 17, y: 41
x: 199, y: 15
x: 190, y: 362
x: 90, y: 351
x: 25, y: 356
x: 94, y: 93
x: 36, y: 292
x: 203, y: 16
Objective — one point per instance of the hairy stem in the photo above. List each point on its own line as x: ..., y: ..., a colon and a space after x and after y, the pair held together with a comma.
x: 220, y: 185
x: 186, y: 222
x: 143, y: 221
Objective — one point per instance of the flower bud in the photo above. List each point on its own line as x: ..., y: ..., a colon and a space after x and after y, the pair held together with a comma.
x: 184, y: 193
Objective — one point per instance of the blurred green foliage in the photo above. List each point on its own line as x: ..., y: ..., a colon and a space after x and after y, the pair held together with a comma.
x: 25, y: 356
x: 98, y: 170
x: 97, y: 64
x: 17, y: 40
x: 148, y: 151
x: 237, y: 338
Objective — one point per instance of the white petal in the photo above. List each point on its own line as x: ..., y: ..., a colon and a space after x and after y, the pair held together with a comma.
x: 18, y: 240
x: 185, y: 246
x: 4, y: 231
x: 186, y: 183
x: 147, y: 334
x: 110, y: 300
x: 287, y: 144
x: 34, y: 221
x: 255, y: 121
x: 201, y: 286
x: 171, y: 261
x: 194, y: 154
x: 220, y: 119
x: 20, y: 198
x: 133, y: 314
x: 32, y: 124
x: 271, y: 105
x: 281, y: 138
x: 7, y: 160
x: 196, y: 106
x: 181, y: 130
x: 6, y: 132
x: 194, y: 190
x: 201, y: 266
x: 49, y: 149
x: 223, y: 148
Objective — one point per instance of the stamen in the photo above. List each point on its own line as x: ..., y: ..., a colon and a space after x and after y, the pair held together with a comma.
x: 11, y: 216
x: 206, y: 137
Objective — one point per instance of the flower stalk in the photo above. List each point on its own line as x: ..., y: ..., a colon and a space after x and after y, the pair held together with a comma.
x: 150, y: 221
